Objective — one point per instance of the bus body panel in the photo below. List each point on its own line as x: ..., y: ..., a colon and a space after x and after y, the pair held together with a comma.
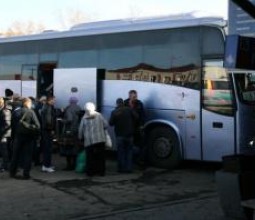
x: 218, y: 134
x: 177, y: 105
x: 193, y: 134
x: 15, y: 85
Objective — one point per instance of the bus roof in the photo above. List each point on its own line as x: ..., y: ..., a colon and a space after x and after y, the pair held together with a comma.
x: 126, y: 25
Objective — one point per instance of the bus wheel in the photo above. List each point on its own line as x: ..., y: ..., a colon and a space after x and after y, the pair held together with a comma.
x: 163, y: 148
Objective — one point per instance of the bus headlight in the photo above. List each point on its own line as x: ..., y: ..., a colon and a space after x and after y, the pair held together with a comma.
x: 251, y: 143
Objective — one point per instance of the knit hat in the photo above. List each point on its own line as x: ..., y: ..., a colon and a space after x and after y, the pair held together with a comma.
x: 8, y: 92
x: 73, y: 99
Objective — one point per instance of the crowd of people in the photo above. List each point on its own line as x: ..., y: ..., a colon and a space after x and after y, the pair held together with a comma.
x: 28, y: 126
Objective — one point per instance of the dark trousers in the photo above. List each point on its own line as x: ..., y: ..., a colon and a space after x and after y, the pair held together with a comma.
x: 138, y: 137
x: 5, y: 154
x: 70, y: 162
x: 22, y: 153
x: 125, y: 153
x: 46, y: 147
x: 95, y: 161
x: 37, y: 152
x: 139, y: 146
x: 10, y: 147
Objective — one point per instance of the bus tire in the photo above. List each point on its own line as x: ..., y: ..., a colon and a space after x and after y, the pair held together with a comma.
x: 163, y: 148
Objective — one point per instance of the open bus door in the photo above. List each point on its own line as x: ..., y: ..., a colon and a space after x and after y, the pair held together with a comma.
x: 244, y: 84
x: 218, y: 115
x: 82, y: 83
x: 240, y: 61
x: 45, y: 79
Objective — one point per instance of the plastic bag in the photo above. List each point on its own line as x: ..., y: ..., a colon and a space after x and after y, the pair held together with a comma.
x: 81, y: 162
x: 108, y: 142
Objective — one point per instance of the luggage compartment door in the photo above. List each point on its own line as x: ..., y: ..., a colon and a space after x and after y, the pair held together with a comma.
x: 77, y: 82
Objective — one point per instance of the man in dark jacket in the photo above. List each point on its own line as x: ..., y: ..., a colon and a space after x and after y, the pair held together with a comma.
x: 123, y: 119
x: 134, y: 103
x: 48, y: 122
x: 23, y: 143
x: 5, y: 134
x: 137, y: 105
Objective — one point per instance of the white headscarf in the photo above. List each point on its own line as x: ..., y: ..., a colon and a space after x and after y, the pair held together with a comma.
x: 90, y: 109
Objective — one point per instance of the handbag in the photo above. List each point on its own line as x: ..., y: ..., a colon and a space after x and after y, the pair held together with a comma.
x: 28, y: 129
x: 108, y: 140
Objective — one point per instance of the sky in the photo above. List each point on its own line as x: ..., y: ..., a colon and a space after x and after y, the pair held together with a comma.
x: 53, y: 13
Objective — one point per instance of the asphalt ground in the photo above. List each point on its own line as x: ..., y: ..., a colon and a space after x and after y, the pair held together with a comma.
x: 189, y: 192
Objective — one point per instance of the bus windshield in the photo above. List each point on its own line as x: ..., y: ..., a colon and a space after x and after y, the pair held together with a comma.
x: 245, y: 83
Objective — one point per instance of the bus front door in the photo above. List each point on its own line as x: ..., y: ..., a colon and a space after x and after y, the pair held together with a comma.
x: 218, y: 121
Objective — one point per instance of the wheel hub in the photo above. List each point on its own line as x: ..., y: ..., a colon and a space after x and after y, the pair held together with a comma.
x: 162, y: 147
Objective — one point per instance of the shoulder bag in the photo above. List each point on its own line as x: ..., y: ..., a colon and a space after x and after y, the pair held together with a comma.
x: 26, y: 128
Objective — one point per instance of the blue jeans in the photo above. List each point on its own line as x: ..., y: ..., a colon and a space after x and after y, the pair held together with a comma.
x: 125, y: 153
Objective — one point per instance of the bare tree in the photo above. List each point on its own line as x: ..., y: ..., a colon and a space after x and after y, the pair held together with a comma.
x: 23, y: 28
x: 71, y: 17
x: 68, y: 18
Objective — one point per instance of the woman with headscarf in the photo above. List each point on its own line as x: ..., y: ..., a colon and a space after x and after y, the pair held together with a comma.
x: 92, y: 131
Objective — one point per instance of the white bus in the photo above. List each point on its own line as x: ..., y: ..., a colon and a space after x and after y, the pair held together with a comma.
x: 192, y: 105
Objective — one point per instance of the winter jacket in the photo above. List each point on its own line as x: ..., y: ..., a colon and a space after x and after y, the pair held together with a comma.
x: 29, y: 116
x: 71, y: 118
x: 123, y: 119
x: 92, y: 129
x: 139, y: 109
x: 48, y: 117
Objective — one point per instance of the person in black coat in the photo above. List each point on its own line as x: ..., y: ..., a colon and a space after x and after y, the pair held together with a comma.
x: 123, y: 119
x: 134, y: 103
x: 23, y: 142
x: 48, y: 123
x: 38, y: 146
